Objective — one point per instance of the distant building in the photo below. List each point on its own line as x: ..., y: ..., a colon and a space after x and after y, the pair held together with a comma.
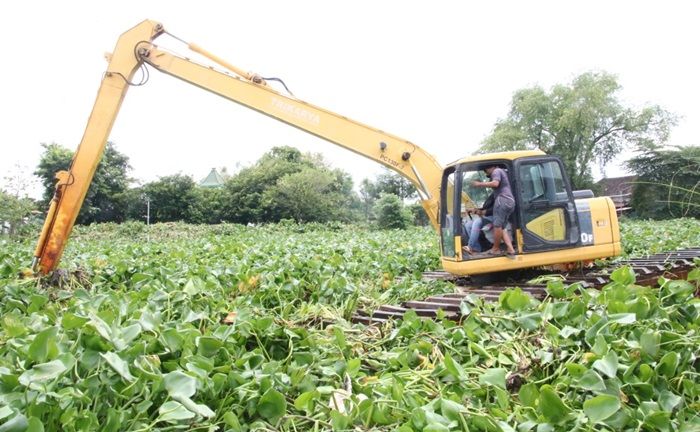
x: 619, y: 189
x: 213, y: 180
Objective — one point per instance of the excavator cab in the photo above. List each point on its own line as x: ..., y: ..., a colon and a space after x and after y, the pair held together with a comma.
x: 550, y: 221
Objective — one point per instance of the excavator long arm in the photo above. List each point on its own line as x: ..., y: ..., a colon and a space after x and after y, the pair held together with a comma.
x: 136, y: 48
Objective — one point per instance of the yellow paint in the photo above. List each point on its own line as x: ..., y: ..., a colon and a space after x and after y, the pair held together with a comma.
x: 605, y: 227
x: 510, y: 155
x: 490, y: 265
x: 519, y: 240
x: 550, y: 226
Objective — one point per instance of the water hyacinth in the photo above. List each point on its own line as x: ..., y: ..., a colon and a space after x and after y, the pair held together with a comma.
x: 226, y: 327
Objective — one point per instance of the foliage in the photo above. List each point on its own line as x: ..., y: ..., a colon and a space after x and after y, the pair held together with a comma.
x: 420, y: 217
x: 668, y: 183
x: 391, y: 213
x: 134, y: 204
x: 174, y: 198
x: 583, y: 123
x: 15, y: 211
x: 284, y: 184
x: 171, y: 198
x: 104, y: 200
x: 368, y: 197
x: 244, y: 191
x: 388, y: 182
x: 55, y: 158
x: 642, y: 237
x: 311, y: 195
x: 225, y: 327
x: 206, y: 206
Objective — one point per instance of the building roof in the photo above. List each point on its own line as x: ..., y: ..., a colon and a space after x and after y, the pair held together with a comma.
x: 213, y: 180
x: 617, y: 185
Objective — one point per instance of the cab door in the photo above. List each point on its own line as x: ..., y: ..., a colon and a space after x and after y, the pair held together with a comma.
x: 546, y: 207
x: 450, y: 226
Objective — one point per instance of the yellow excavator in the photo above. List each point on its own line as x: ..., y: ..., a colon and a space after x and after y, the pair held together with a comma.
x: 552, y: 224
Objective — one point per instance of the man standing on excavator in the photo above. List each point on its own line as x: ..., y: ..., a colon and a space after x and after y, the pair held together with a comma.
x: 502, y: 209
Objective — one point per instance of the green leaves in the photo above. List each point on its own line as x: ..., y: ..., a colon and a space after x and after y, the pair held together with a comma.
x: 145, y: 337
x: 607, y: 365
x: 272, y: 405
x: 650, y: 343
x: 18, y: 423
x: 551, y: 405
x: 582, y: 121
x: 454, y: 368
x: 590, y: 380
x: 119, y: 365
x: 644, y: 237
x: 44, y: 346
x: 495, y: 377
x: 623, y: 275
x: 174, y: 412
x: 668, y: 364
x: 514, y: 299
x: 529, y: 395
x: 45, y: 372
x: 181, y: 387
x: 118, y: 336
x: 601, y: 407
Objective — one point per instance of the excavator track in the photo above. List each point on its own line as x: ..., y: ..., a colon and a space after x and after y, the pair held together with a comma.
x: 672, y: 265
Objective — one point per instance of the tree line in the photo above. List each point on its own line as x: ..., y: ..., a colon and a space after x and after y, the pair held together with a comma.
x: 284, y: 184
x: 584, y: 122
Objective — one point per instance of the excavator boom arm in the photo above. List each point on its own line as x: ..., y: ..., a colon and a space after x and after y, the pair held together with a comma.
x: 135, y: 48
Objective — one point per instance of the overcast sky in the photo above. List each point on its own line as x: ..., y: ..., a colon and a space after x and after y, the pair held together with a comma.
x: 437, y: 73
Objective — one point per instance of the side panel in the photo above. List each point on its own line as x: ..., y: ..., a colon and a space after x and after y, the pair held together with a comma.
x: 588, y: 235
x: 598, y: 226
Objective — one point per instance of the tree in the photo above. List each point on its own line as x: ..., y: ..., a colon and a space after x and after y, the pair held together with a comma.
x: 135, y: 204
x: 314, y: 194
x: 15, y: 205
x: 18, y: 181
x: 368, y: 197
x: 14, y: 210
x: 54, y: 159
x: 206, y: 206
x: 388, y: 182
x: 420, y: 217
x: 391, y: 214
x: 668, y: 182
x: 243, y: 192
x: 171, y: 197
x: 287, y: 184
x: 583, y: 123
x: 104, y: 198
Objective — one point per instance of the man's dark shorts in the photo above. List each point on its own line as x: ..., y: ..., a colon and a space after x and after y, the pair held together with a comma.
x: 502, y: 209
